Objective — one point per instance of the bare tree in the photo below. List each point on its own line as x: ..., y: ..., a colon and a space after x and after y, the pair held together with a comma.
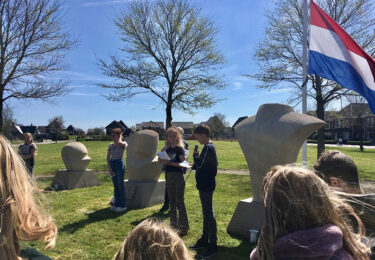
x: 56, y: 127
x: 217, y: 125
x: 279, y: 55
x: 80, y: 133
x: 32, y: 45
x: 57, y: 121
x: 8, y: 121
x: 222, y: 118
x: 169, y: 52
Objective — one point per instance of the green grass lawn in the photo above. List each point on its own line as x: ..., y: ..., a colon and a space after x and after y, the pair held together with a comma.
x: 229, y: 154
x: 89, y: 230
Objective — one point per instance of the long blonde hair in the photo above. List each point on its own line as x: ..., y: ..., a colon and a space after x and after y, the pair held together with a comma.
x: 297, y: 199
x: 153, y: 240
x: 175, y: 130
x: 21, y: 217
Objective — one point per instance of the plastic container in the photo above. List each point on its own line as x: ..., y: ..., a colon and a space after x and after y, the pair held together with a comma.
x: 253, y: 235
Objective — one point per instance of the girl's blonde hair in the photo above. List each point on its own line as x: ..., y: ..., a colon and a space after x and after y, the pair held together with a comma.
x: 20, y: 218
x: 29, y: 135
x: 297, y: 199
x: 153, y: 240
x: 175, y: 130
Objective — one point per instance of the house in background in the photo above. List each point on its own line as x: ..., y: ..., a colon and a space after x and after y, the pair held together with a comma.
x: 350, y: 123
x: 118, y: 124
x: 149, y: 125
x: 71, y: 130
x: 187, y: 126
x: 16, y: 132
x: 32, y: 129
x: 155, y: 126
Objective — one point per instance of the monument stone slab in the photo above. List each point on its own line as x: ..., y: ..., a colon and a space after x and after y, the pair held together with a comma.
x: 272, y: 137
x: 76, y: 175
x: 143, y: 187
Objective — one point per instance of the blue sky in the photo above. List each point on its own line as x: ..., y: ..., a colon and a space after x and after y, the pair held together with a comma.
x: 240, y: 24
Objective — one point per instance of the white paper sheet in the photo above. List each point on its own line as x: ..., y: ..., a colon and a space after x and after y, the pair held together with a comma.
x: 185, y: 164
x: 163, y: 155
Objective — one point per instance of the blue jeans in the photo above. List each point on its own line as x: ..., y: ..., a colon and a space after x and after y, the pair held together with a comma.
x: 118, y: 168
x: 30, y: 169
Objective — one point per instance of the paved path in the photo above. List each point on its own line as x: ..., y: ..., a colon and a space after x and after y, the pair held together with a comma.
x: 48, y: 142
x: 367, y: 186
x: 346, y: 145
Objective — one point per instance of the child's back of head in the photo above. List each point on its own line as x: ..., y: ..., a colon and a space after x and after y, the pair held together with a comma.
x: 153, y: 240
x: 338, y: 170
x: 202, y: 130
x: 297, y: 199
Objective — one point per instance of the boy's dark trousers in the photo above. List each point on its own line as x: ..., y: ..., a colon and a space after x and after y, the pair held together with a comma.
x: 166, y: 198
x: 209, y: 221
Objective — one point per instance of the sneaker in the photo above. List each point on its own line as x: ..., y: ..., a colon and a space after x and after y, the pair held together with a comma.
x: 112, y: 208
x: 210, y: 251
x: 120, y: 209
x: 112, y: 202
x: 164, y: 208
x: 201, y: 243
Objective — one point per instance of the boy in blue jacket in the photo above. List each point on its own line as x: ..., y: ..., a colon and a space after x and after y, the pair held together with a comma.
x: 205, y: 165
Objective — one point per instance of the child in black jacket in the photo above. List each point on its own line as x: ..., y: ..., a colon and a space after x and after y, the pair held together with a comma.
x: 205, y: 165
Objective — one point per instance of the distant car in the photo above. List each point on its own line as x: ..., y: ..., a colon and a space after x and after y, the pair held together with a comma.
x: 190, y: 137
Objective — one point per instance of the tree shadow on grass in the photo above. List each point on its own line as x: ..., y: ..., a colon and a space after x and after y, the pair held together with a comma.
x: 242, y: 251
x: 92, y: 217
x: 157, y: 215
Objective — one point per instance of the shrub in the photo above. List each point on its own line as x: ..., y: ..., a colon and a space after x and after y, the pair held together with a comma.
x: 358, y: 142
x: 325, y: 141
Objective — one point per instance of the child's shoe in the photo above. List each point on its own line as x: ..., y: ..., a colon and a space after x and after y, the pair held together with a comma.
x: 210, y: 251
x: 120, y: 209
x: 201, y: 243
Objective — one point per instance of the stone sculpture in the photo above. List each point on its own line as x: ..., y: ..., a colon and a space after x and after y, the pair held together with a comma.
x: 75, y: 156
x: 273, y: 136
x: 141, y: 160
x: 76, y: 174
x: 143, y: 187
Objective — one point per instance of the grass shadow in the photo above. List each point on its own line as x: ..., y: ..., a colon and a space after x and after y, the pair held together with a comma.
x: 92, y: 217
x: 157, y: 215
x: 242, y: 251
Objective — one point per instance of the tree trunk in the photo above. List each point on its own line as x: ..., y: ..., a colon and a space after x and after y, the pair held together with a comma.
x: 168, y: 121
x: 1, y: 115
x: 320, y: 115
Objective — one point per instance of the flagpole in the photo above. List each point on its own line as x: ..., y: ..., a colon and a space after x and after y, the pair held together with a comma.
x: 304, y: 80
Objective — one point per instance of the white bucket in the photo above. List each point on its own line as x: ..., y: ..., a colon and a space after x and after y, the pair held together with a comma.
x: 253, y: 235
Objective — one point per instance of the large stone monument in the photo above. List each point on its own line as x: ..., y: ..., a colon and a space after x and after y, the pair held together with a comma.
x: 273, y: 136
x: 143, y: 187
x: 76, y: 174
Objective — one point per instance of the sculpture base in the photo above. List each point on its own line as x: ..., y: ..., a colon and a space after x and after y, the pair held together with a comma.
x: 248, y: 215
x: 144, y: 194
x: 69, y: 180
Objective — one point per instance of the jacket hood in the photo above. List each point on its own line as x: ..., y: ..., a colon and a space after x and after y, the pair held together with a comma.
x: 321, y: 243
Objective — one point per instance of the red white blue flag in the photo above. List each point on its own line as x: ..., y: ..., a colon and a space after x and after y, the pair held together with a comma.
x: 336, y: 56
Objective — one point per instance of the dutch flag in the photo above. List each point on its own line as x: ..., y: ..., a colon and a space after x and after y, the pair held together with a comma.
x: 336, y: 56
